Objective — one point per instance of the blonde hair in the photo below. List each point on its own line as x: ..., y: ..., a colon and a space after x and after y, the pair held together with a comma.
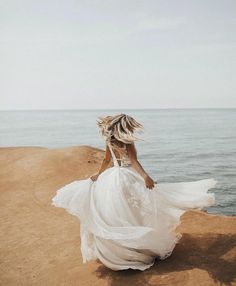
x: 120, y: 126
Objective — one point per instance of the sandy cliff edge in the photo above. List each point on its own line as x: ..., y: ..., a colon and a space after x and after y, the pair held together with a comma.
x: 40, y: 244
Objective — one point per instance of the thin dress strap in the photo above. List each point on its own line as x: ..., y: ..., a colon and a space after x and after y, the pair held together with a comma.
x: 113, y: 155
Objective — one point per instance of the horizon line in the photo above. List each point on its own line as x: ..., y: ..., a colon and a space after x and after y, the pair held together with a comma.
x: 95, y: 109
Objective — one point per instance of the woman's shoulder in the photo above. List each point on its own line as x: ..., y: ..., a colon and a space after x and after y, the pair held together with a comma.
x: 119, y: 144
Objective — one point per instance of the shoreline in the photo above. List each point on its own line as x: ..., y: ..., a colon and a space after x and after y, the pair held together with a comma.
x: 40, y: 244
x: 9, y: 148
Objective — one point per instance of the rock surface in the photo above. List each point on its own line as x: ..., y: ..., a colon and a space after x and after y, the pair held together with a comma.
x: 40, y: 244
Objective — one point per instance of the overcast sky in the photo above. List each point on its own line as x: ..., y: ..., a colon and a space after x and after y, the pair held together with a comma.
x: 70, y: 54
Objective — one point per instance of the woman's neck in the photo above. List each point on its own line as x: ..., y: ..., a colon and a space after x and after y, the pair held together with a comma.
x: 117, y: 143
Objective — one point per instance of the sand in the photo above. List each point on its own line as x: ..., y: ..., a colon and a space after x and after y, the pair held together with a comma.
x: 40, y: 244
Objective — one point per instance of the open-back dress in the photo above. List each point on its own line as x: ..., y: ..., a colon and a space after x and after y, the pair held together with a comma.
x: 122, y: 222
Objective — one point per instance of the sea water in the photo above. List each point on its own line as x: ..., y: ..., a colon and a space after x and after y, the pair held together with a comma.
x: 179, y: 144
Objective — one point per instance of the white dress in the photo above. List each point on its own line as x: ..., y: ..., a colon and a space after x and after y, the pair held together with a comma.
x: 123, y: 223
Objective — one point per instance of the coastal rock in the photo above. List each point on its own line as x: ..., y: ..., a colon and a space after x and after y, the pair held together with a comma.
x: 40, y: 244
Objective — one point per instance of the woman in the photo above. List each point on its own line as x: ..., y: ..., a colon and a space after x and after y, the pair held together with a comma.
x: 118, y: 131
x: 126, y: 220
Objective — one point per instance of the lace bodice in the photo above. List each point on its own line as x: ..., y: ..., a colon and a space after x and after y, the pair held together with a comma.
x: 119, y: 155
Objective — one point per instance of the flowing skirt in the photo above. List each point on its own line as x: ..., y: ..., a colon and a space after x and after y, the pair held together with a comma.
x: 124, y: 224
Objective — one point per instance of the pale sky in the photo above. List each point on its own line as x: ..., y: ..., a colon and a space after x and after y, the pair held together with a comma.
x: 72, y: 54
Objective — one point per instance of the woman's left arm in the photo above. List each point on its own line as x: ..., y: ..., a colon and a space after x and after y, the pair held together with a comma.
x: 105, y: 163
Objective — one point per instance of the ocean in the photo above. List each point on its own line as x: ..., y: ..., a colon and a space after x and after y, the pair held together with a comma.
x: 178, y: 144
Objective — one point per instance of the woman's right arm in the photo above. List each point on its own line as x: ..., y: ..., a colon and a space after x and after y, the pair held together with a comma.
x: 132, y: 153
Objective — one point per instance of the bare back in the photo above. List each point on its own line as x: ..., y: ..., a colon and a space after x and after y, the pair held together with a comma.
x: 120, y: 150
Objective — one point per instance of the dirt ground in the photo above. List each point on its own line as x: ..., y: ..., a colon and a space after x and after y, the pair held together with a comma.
x: 40, y: 244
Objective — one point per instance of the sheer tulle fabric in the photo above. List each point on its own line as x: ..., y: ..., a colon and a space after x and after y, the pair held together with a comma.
x: 124, y: 224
